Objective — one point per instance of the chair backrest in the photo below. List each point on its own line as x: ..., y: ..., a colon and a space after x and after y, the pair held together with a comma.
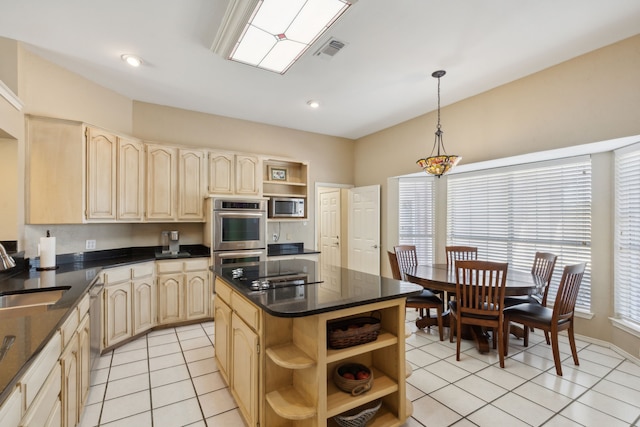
x: 407, y: 257
x: 460, y: 253
x: 568, y: 289
x: 480, y: 287
x: 542, y: 268
x: 395, y: 268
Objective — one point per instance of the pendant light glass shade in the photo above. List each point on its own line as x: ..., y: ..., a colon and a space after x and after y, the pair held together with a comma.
x: 439, y: 164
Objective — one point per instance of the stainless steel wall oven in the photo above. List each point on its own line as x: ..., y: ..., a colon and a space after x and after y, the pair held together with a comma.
x: 239, y: 230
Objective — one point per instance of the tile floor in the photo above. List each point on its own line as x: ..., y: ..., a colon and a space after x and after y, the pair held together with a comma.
x: 169, y: 378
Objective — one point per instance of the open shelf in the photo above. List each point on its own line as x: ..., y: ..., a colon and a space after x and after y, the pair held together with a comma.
x: 384, y: 339
x: 287, y: 403
x: 339, y: 401
x: 290, y: 356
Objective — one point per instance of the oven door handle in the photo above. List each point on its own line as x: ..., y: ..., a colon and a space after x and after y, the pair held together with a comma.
x: 239, y: 254
x: 240, y: 214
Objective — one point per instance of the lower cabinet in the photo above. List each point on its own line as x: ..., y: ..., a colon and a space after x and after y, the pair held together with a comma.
x: 222, y: 336
x: 117, y: 313
x: 184, y: 290
x: 244, y: 368
x: 144, y: 304
x: 280, y: 371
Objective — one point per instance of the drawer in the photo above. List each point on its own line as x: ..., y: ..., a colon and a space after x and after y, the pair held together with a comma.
x: 169, y: 267
x: 196, y: 264
x: 223, y: 291
x: 247, y: 311
x: 11, y: 408
x: 142, y: 270
x: 37, y: 373
x: 69, y: 327
x: 116, y: 275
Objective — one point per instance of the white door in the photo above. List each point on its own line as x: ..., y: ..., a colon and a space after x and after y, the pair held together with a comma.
x: 330, y: 227
x: 364, y: 229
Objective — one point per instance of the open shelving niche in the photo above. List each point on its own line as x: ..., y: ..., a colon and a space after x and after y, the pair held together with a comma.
x: 298, y: 369
x: 295, y: 183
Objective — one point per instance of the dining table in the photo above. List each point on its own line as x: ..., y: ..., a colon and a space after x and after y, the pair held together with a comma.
x: 442, y: 278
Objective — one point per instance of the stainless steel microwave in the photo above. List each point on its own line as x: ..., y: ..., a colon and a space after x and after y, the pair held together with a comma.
x: 286, y: 207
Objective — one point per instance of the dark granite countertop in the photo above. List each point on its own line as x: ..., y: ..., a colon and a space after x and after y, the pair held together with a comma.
x: 328, y: 290
x: 32, y: 329
x: 288, y: 249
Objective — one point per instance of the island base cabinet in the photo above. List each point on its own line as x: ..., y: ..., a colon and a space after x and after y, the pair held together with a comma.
x: 244, y: 375
x: 222, y: 337
x: 298, y: 368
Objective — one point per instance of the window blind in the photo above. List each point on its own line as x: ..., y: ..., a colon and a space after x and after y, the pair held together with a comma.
x: 416, y: 216
x: 627, y: 240
x: 510, y: 213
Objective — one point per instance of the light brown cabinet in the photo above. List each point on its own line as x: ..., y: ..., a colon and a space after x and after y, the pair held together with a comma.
x: 100, y: 172
x: 285, y: 178
x: 292, y: 378
x: 129, y: 302
x: 184, y: 290
x: 191, y: 184
x: 162, y: 175
x: 222, y: 336
x: 234, y: 173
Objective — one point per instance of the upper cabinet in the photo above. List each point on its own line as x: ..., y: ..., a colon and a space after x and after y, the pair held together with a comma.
x: 232, y: 173
x: 55, y: 172
x: 285, y: 178
x: 162, y: 179
x: 78, y: 173
x: 175, y: 183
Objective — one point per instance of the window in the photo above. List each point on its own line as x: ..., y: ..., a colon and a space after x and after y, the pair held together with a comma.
x: 415, y: 216
x: 510, y: 213
x: 627, y: 240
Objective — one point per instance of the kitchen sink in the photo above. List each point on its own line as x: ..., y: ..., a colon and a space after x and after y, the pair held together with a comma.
x: 31, y: 297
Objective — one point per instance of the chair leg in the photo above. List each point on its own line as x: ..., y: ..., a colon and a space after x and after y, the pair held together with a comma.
x: 556, y: 353
x: 493, y: 338
x: 501, y: 349
x: 458, y: 338
x: 505, y: 336
x: 526, y: 336
x: 452, y: 327
x: 440, y: 324
x: 546, y: 336
x: 572, y: 342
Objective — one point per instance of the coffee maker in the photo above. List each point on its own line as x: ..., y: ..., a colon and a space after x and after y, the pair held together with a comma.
x: 170, y: 242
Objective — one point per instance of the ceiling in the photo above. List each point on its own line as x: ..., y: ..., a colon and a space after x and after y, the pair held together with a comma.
x: 381, y: 78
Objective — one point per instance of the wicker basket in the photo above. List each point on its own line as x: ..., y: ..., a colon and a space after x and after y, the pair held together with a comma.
x: 355, y: 386
x: 358, y: 417
x: 354, y: 331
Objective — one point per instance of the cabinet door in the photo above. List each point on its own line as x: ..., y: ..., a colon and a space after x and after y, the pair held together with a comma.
x: 130, y: 199
x: 197, y: 287
x: 222, y: 337
x: 244, y: 369
x: 69, y: 393
x: 144, y: 305
x: 191, y: 184
x: 117, y: 313
x: 221, y: 172
x: 161, y: 183
x: 247, y: 175
x: 84, y: 362
x: 101, y: 174
x: 170, y: 298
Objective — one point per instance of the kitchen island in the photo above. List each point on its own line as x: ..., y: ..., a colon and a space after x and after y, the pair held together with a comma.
x: 271, y: 343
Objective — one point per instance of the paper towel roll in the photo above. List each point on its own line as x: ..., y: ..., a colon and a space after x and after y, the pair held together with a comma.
x: 47, y: 249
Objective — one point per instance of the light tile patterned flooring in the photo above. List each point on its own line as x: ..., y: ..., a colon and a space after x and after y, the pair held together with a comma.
x: 169, y: 378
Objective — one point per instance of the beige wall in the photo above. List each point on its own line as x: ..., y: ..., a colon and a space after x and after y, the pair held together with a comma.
x: 591, y: 98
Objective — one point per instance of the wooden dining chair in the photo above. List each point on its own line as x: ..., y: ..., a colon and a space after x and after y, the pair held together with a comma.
x: 542, y: 270
x: 480, y: 288
x: 464, y: 253
x: 552, y: 320
x: 427, y: 299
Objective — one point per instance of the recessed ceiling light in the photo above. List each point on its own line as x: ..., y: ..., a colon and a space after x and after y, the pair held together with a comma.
x: 313, y: 104
x: 134, y: 61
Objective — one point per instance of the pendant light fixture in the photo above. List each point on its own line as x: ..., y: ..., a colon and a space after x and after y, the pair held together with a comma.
x: 439, y: 164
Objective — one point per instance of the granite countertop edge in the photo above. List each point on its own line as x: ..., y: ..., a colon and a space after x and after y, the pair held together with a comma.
x: 78, y: 271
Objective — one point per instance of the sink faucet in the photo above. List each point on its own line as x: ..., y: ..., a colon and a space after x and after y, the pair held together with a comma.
x: 7, y: 261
